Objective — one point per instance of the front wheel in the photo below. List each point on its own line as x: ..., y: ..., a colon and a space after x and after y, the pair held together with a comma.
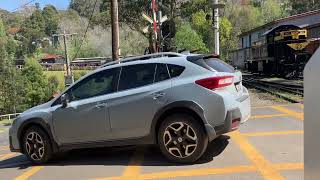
x: 182, y: 139
x: 37, y: 145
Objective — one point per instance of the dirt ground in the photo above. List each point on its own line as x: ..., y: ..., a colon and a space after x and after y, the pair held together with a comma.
x: 259, y: 98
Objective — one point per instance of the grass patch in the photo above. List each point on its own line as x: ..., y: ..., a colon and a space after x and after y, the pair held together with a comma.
x: 5, y: 122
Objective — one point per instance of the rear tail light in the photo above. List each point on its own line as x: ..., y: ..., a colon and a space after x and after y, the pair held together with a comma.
x: 215, y: 82
x: 235, y: 124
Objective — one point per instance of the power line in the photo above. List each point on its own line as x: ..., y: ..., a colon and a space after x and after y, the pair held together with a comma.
x: 85, y: 33
x: 23, y: 5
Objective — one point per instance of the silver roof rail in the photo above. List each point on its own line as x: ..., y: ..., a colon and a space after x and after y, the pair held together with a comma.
x: 144, y: 57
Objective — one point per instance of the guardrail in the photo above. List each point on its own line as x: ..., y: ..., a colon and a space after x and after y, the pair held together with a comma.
x: 10, y: 117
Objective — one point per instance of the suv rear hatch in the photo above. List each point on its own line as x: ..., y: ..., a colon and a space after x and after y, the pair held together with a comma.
x: 212, y: 63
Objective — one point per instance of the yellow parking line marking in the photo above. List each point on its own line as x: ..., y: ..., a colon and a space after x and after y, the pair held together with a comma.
x: 263, y: 165
x: 301, y: 106
x: 7, y: 156
x: 3, y: 148
x: 288, y: 166
x: 289, y: 112
x: 272, y: 133
x: 208, y: 171
x: 270, y: 106
x: 29, y: 173
x: 268, y: 116
x: 198, y: 172
x: 134, y: 167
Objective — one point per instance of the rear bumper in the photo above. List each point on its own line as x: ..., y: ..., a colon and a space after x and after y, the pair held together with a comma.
x: 238, y: 114
x: 244, y: 105
x: 232, y: 122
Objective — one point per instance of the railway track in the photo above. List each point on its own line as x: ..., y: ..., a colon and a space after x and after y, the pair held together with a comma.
x: 283, y: 91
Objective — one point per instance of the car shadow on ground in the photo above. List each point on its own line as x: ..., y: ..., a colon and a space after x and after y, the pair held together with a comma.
x: 117, y: 156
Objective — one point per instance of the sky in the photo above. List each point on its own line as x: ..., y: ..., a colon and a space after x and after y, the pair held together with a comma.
x: 13, y: 4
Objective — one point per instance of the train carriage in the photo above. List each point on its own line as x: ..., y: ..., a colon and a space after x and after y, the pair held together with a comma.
x: 283, y: 51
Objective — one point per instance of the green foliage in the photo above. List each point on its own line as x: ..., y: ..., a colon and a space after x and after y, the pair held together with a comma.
x: 300, y: 6
x: 228, y: 41
x: 57, y: 75
x: 11, y: 45
x: 84, y: 7
x: 2, y: 29
x: 188, y: 38
x: 271, y: 10
x: 203, y: 27
x: 78, y: 74
x: 53, y: 84
x: 35, y: 83
x: 50, y: 15
x: 32, y: 30
x: 10, y: 82
x: 130, y: 39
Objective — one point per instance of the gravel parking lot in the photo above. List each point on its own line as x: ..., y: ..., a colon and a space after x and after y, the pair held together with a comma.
x: 268, y: 146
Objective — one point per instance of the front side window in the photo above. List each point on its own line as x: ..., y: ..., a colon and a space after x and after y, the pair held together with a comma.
x: 98, y: 84
x: 135, y: 76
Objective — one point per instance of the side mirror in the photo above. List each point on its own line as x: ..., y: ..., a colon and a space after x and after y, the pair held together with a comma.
x: 64, y: 100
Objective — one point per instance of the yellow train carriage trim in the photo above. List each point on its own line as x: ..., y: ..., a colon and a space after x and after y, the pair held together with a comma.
x: 293, y: 33
x: 298, y: 46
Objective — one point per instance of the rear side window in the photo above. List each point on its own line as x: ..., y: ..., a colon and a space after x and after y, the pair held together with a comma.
x: 175, y: 70
x: 136, y: 76
x: 162, y: 73
x: 215, y: 64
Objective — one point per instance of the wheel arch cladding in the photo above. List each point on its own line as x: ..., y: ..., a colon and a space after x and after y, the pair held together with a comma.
x: 185, y: 107
x: 38, y: 123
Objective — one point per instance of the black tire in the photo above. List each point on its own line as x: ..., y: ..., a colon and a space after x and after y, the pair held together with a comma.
x: 197, y: 132
x: 38, y: 149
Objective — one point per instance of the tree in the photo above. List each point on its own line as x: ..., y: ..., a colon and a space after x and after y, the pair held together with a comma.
x: 50, y: 15
x: 301, y: 6
x: 203, y: 27
x: 9, y: 77
x: 271, y: 10
x: 32, y: 31
x: 188, y: 38
x: 228, y: 41
x: 36, y: 89
x: 84, y: 7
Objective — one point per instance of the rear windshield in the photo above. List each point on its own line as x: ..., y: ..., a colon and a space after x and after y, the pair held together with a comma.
x: 215, y: 64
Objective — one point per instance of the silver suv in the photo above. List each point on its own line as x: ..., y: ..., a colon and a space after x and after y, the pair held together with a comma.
x: 179, y: 102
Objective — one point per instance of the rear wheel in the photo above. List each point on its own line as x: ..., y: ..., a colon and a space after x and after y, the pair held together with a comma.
x: 182, y: 139
x: 36, y: 144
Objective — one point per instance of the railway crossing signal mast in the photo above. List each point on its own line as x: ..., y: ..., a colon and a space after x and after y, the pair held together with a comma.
x: 159, y: 29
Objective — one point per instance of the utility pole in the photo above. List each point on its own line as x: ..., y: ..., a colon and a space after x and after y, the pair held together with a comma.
x: 215, y: 7
x: 115, y: 30
x: 216, y: 29
x: 69, y: 77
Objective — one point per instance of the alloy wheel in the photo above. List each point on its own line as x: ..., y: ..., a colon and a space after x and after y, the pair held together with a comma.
x: 180, y: 139
x: 34, y: 146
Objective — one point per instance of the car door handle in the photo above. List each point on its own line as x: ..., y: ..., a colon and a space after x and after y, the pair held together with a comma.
x: 158, y: 95
x: 100, y: 105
